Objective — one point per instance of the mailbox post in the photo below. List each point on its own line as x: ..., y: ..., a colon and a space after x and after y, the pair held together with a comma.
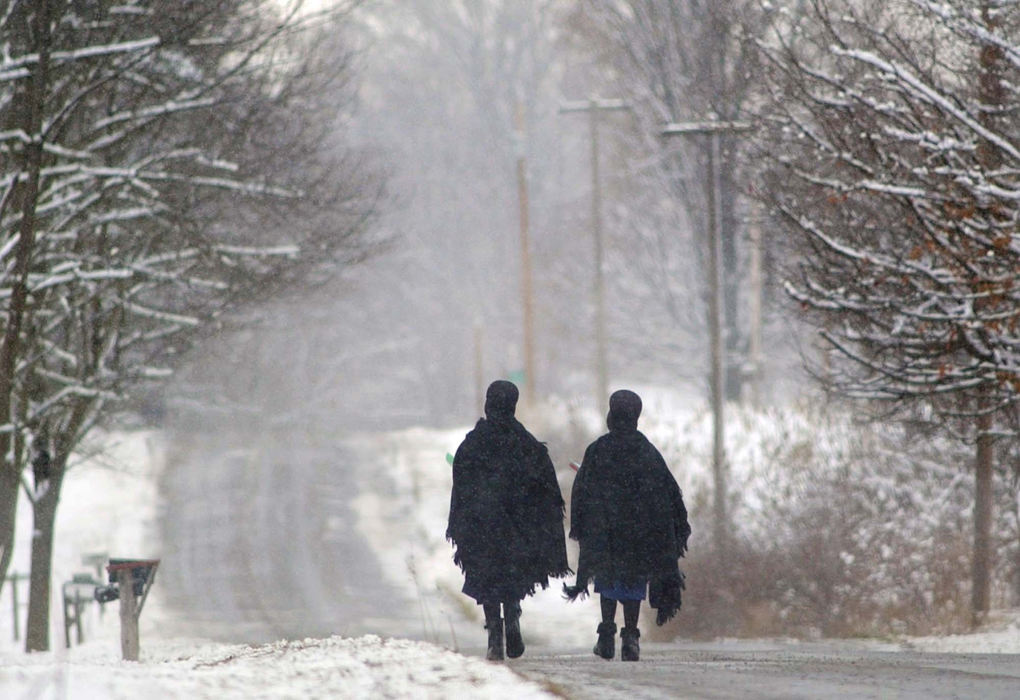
x: 134, y: 578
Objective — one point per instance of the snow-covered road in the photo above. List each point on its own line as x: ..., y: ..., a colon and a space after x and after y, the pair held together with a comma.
x: 264, y: 544
x: 779, y: 670
x: 286, y: 541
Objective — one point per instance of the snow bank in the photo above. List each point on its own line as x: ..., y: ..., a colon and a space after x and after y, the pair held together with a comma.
x: 310, y: 668
x: 1001, y: 635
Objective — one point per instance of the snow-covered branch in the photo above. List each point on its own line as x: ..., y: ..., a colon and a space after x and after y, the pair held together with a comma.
x: 897, y: 175
x: 157, y: 315
x: 14, y: 65
x: 927, y: 93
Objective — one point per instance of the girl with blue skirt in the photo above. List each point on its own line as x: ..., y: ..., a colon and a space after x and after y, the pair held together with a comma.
x: 628, y: 515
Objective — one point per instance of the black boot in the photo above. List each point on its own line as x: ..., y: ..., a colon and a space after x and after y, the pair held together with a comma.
x: 606, y: 645
x: 495, y: 650
x: 514, y: 641
x: 630, y: 649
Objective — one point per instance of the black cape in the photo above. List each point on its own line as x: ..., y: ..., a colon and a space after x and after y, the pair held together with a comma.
x: 506, y: 512
x: 628, y: 515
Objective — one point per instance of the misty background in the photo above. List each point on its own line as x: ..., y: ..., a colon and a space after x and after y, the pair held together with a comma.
x: 451, y: 103
x: 402, y: 338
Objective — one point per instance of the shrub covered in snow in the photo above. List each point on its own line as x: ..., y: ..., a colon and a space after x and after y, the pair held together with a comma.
x: 841, y: 527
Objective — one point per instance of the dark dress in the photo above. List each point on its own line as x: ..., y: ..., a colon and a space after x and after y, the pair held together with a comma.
x: 506, y: 510
x: 628, y: 515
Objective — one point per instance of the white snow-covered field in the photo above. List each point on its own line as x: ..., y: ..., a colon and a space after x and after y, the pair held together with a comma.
x: 1001, y: 635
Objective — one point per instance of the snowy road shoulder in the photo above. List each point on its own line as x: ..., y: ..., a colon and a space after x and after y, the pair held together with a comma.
x: 333, y: 667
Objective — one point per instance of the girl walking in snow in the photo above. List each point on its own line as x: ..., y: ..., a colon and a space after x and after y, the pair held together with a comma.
x: 628, y: 515
x: 506, y: 518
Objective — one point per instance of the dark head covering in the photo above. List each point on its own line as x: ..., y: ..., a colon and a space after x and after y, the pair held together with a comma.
x: 501, y: 400
x: 624, y: 409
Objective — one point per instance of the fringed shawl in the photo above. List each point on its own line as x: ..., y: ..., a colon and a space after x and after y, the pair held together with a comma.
x: 628, y: 514
x: 506, y: 510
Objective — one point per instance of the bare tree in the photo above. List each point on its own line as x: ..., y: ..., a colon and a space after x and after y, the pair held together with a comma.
x: 690, y: 61
x: 20, y: 197
x: 162, y: 183
x: 892, y: 159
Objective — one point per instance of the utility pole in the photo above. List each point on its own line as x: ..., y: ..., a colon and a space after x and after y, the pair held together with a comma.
x: 526, y: 287
x: 594, y: 106
x: 754, y: 355
x: 716, y: 311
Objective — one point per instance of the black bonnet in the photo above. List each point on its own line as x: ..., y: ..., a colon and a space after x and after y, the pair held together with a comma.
x: 501, y: 399
x: 624, y: 409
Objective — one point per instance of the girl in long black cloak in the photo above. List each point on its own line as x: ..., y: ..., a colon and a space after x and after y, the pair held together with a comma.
x: 628, y: 514
x: 506, y: 517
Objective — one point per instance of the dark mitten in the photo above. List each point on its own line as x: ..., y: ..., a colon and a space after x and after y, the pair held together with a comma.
x: 574, y: 592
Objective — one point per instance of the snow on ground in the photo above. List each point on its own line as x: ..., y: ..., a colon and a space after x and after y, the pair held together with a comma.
x: 110, y: 504
x: 336, y: 667
x: 1001, y: 635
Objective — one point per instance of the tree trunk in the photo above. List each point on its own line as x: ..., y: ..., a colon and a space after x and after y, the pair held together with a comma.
x: 44, y: 518
x: 44, y: 515
x: 37, y: 635
x: 527, y: 288
x: 991, y: 93
x: 981, y: 574
x: 9, y: 484
x: 1016, y: 557
x: 751, y: 391
x: 25, y: 198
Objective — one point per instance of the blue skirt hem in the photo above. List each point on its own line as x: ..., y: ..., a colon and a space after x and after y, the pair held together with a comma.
x: 622, y: 591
